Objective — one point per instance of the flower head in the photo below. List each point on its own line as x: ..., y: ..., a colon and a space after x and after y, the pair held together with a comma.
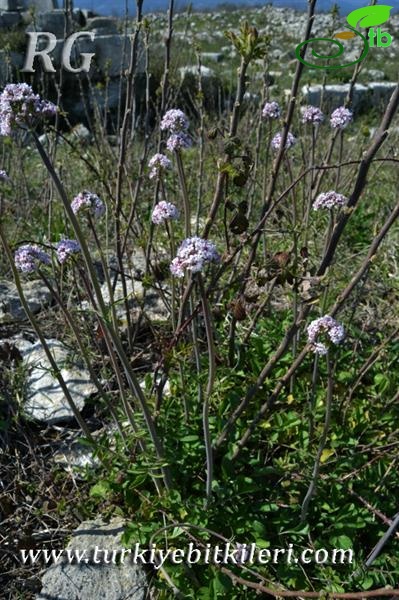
x: 341, y: 117
x: 164, y: 211
x: 178, y: 141
x: 192, y: 255
x: 3, y: 176
x: 87, y: 201
x: 174, y: 120
x: 29, y: 257
x: 276, y: 141
x: 158, y: 163
x: 328, y: 326
x: 271, y: 110
x: 312, y: 114
x: 329, y: 200
x: 19, y: 105
x: 65, y: 249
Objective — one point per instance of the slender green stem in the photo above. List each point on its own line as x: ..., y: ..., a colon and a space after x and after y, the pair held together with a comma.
x: 186, y: 201
x: 170, y: 232
x: 211, y: 378
x: 322, y: 444
x: 106, y: 272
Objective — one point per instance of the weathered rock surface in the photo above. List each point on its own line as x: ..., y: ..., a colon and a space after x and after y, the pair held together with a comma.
x: 72, y: 455
x: 11, y: 19
x: 44, y: 398
x: 154, y: 308
x: 91, y: 581
x: 36, y: 294
x: 193, y: 70
x: 50, y: 21
x: 372, y: 95
x: 212, y: 56
x: 40, y: 5
x: 103, y: 25
x: 8, y: 4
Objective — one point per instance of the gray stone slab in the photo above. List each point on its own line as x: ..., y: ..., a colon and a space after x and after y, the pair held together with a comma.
x: 8, y: 4
x: 45, y: 401
x: 10, y: 19
x: 52, y: 21
x: 372, y: 95
x: 112, y: 54
x: 41, y: 5
x: 103, y: 25
x: 36, y: 294
x: 90, y: 581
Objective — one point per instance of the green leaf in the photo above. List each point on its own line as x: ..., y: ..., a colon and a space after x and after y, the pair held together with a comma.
x: 100, y: 489
x: 189, y: 438
x: 369, y: 16
x: 367, y: 583
x: 300, y: 529
x: 221, y: 584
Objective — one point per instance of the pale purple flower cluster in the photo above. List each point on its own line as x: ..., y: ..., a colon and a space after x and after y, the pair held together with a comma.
x: 192, y: 255
x: 324, y: 325
x: 3, y: 176
x: 65, y: 249
x: 271, y: 110
x: 312, y: 115
x: 164, y: 211
x: 174, y: 120
x: 20, y: 105
x: 158, y: 163
x: 276, y: 141
x: 341, y: 117
x: 329, y: 200
x: 178, y: 141
x: 29, y: 257
x: 87, y: 201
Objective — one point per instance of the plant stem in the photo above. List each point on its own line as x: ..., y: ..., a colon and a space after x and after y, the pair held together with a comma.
x: 211, y: 378
x: 323, y: 441
x: 186, y: 201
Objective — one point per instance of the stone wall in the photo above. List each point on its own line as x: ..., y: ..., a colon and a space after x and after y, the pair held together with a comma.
x: 373, y: 95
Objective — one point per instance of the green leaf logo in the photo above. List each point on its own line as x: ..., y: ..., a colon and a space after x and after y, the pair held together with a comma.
x: 369, y: 16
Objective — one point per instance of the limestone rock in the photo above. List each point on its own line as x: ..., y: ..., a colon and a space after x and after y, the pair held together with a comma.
x: 52, y: 21
x: 193, y: 70
x: 374, y: 74
x: 212, y: 56
x: 81, y: 134
x: 45, y: 400
x: 8, y: 4
x: 112, y: 54
x: 375, y: 95
x: 103, y: 25
x: 88, y: 580
x: 154, y: 308
x: 36, y: 294
x: 9, y: 20
x: 41, y: 5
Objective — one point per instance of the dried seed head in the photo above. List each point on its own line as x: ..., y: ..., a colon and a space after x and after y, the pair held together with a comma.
x: 239, y: 223
x: 212, y: 133
x: 238, y: 310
